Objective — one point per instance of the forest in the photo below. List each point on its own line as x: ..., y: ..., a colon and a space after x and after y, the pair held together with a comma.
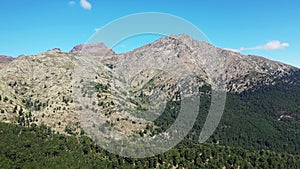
x: 38, y: 147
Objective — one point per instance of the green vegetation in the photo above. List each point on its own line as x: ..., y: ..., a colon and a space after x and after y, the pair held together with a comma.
x: 101, y: 88
x: 267, y: 117
x: 168, y: 117
x: 252, y: 119
x: 38, y: 147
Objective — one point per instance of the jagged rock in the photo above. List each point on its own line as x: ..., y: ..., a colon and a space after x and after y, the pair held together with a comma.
x: 97, y: 48
x: 54, y: 50
x: 4, y: 60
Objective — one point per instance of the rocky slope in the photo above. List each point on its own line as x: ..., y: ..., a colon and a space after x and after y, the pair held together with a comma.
x: 4, y: 60
x: 52, y: 87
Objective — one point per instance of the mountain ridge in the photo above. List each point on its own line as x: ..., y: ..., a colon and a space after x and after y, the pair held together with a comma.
x: 4, y: 60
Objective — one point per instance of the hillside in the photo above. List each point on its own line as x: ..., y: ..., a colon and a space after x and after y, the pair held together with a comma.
x: 72, y: 92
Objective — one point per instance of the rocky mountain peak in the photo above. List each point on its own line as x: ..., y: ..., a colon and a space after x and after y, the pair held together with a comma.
x: 4, y: 60
x: 242, y: 71
x: 3, y: 56
x: 54, y: 50
x: 97, y: 48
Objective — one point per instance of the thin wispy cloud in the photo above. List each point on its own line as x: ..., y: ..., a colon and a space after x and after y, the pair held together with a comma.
x: 85, y: 4
x: 72, y: 3
x: 270, y: 46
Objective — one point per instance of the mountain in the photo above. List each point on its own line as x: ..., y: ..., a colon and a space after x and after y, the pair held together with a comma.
x: 137, y: 93
x: 4, y: 60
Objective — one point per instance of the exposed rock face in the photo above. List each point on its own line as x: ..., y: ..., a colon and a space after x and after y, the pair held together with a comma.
x: 98, y: 48
x: 4, y: 60
x: 54, y: 50
x: 241, y: 72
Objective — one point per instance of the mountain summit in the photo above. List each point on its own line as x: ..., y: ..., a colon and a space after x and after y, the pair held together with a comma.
x: 4, y: 60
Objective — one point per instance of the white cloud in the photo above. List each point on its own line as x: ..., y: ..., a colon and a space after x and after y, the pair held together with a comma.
x: 72, y: 3
x: 85, y: 4
x: 274, y: 45
x: 270, y: 46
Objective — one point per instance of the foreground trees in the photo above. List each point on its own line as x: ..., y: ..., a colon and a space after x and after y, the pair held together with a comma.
x: 38, y: 147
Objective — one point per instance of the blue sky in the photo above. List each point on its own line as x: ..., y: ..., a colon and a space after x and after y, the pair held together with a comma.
x: 267, y: 28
